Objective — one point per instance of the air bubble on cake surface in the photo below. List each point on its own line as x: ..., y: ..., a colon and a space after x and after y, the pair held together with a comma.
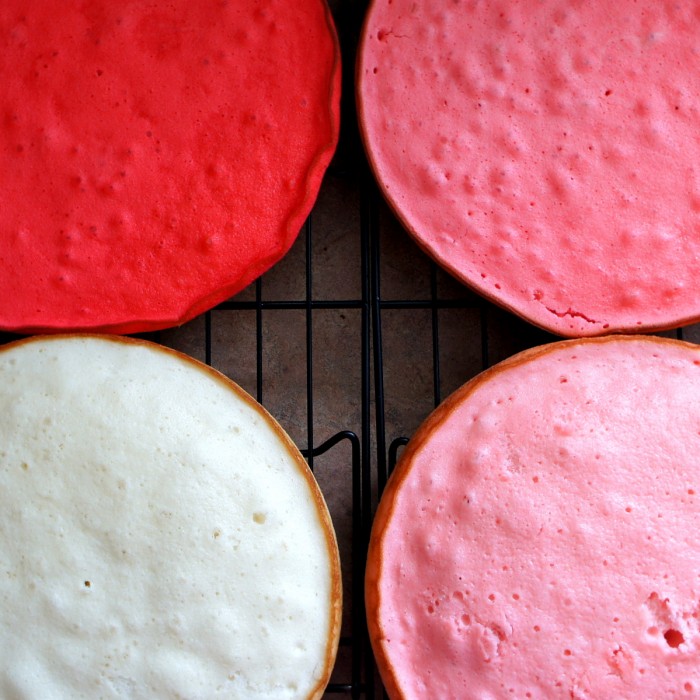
x: 673, y: 628
x: 674, y: 638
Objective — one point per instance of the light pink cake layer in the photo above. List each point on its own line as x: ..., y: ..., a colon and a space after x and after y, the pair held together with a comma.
x: 546, y: 153
x: 540, y: 537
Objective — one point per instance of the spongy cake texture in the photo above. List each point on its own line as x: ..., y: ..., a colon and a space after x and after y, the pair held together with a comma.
x: 161, y: 537
x: 540, y: 536
x: 155, y: 157
x: 544, y: 152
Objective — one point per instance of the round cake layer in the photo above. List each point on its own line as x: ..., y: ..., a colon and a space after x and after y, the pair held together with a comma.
x: 539, y: 537
x: 155, y: 157
x: 161, y: 536
x: 545, y: 153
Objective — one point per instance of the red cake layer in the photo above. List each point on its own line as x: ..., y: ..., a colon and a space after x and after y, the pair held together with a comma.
x: 155, y: 157
x: 545, y: 153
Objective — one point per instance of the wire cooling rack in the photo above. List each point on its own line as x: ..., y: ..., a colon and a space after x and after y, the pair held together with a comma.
x: 350, y: 342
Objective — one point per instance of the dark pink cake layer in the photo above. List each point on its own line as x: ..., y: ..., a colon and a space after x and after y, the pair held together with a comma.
x: 546, y: 153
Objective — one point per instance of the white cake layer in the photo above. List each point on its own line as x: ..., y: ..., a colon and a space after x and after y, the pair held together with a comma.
x: 161, y: 537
